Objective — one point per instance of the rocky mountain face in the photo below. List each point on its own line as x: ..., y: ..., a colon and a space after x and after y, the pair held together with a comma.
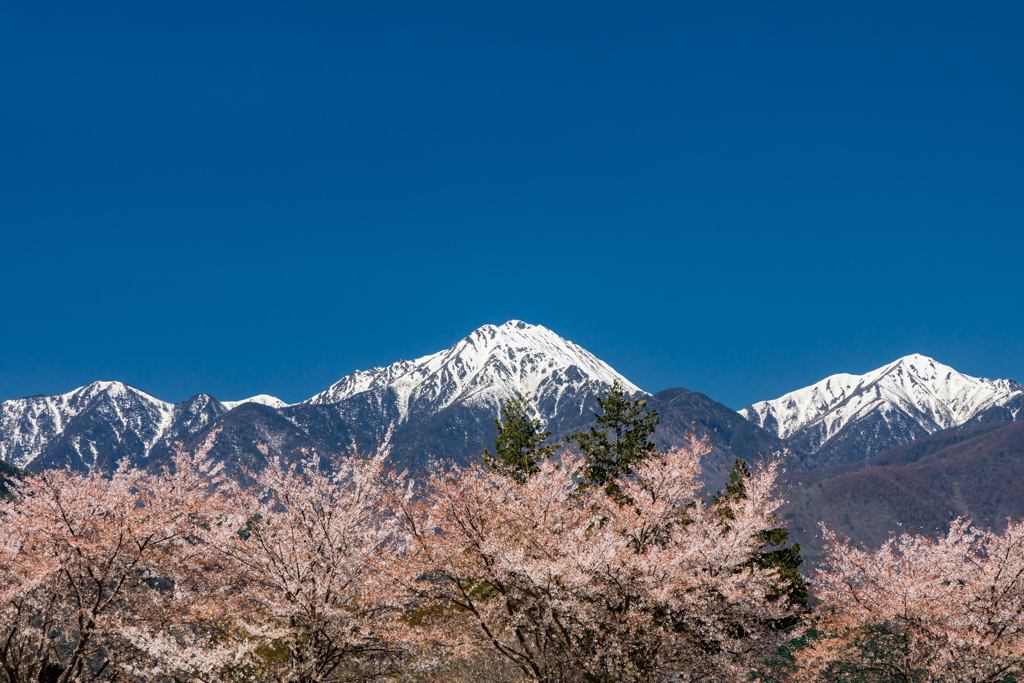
x: 103, y: 423
x: 485, y: 368
x: 845, y: 418
x: 941, y: 443
x: 445, y: 403
x: 442, y: 405
x: 94, y: 425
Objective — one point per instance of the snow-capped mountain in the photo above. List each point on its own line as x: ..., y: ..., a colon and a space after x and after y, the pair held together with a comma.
x: 29, y: 426
x: 853, y: 416
x: 98, y: 424
x: 483, y: 370
x: 262, y: 399
x: 444, y: 403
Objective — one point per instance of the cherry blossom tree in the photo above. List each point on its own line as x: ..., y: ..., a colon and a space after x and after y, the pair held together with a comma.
x: 82, y: 556
x: 348, y: 573
x: 920, y: 609
x: 570, y: 583
x: 298, y: 582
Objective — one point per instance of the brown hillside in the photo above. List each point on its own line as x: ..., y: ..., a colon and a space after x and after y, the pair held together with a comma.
x: 918, y: 487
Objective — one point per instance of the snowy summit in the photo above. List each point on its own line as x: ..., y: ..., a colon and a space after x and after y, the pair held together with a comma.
x: 262, y: 399
x: 484, y: 369
x: 915, y: 395
x: 28, y: 425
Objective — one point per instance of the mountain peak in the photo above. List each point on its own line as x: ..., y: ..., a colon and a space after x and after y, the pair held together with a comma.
x: 262, y: 399
x: 28, y: 425
x: 512, y: 330
x: 485, y: 367
x: 916, y: 359
x: 919, y: 393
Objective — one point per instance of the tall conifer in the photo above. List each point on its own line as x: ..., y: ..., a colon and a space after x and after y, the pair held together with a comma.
x: 519, y: 446
x: 618, y: 439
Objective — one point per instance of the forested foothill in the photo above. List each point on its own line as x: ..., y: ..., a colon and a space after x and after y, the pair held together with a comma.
x: 597, y: 558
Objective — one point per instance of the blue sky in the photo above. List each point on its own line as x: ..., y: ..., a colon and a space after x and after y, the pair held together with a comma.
x: 737, y: 198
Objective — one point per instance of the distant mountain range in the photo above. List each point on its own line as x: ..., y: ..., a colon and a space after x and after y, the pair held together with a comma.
x: 845, y: 418
x: 444, y: 405
x: 440, y: 405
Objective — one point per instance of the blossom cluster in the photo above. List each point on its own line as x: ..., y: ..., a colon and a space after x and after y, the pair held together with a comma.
x: 343, y: 570
x: 921, y: 609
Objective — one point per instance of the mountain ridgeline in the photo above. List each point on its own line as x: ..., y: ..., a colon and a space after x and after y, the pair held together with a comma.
x: 439, y: 406
x: 846, y: 418
x: 444, y: 406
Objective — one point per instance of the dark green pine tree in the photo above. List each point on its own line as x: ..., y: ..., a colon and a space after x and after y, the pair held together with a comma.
x: 773, y: 552
x: 519, y: 447
x: 8, y: 474
x: 618, y: 439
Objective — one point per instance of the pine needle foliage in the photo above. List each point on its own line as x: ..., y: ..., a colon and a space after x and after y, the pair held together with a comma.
x: 618, y: 439
x: 520, y: 444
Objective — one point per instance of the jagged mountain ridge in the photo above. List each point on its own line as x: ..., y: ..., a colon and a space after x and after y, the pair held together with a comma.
x: 30, y: 426
x: 443, y: 403
x: 101, y: 424
x: 485, y: 368
x: 848, y: 417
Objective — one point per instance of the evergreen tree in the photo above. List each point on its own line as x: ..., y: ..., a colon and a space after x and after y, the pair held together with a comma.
x: 8, y: 475
x: 619, y: 438
x: 773, y: 553
x: 519, y: 445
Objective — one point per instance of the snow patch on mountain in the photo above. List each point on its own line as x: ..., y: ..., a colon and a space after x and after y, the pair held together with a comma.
x: 111, y: 420
x: 27, y: 425
x: 484, y: 369
x: 262, y: 399
x: 935, y: 395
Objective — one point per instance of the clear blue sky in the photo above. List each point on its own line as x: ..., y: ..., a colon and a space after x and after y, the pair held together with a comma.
x: 737, y: 198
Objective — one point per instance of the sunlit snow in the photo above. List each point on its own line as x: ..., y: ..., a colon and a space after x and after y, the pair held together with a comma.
x: 262, y: 399
x: 27, y: 425
x: 485, y: 368
x: 936, y: 394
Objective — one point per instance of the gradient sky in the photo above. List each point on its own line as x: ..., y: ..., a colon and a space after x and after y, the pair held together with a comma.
x: 737, y: 198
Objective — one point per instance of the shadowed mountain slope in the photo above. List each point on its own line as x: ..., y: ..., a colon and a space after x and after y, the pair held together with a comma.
x: 684, y: 412
x: 975, y: 471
